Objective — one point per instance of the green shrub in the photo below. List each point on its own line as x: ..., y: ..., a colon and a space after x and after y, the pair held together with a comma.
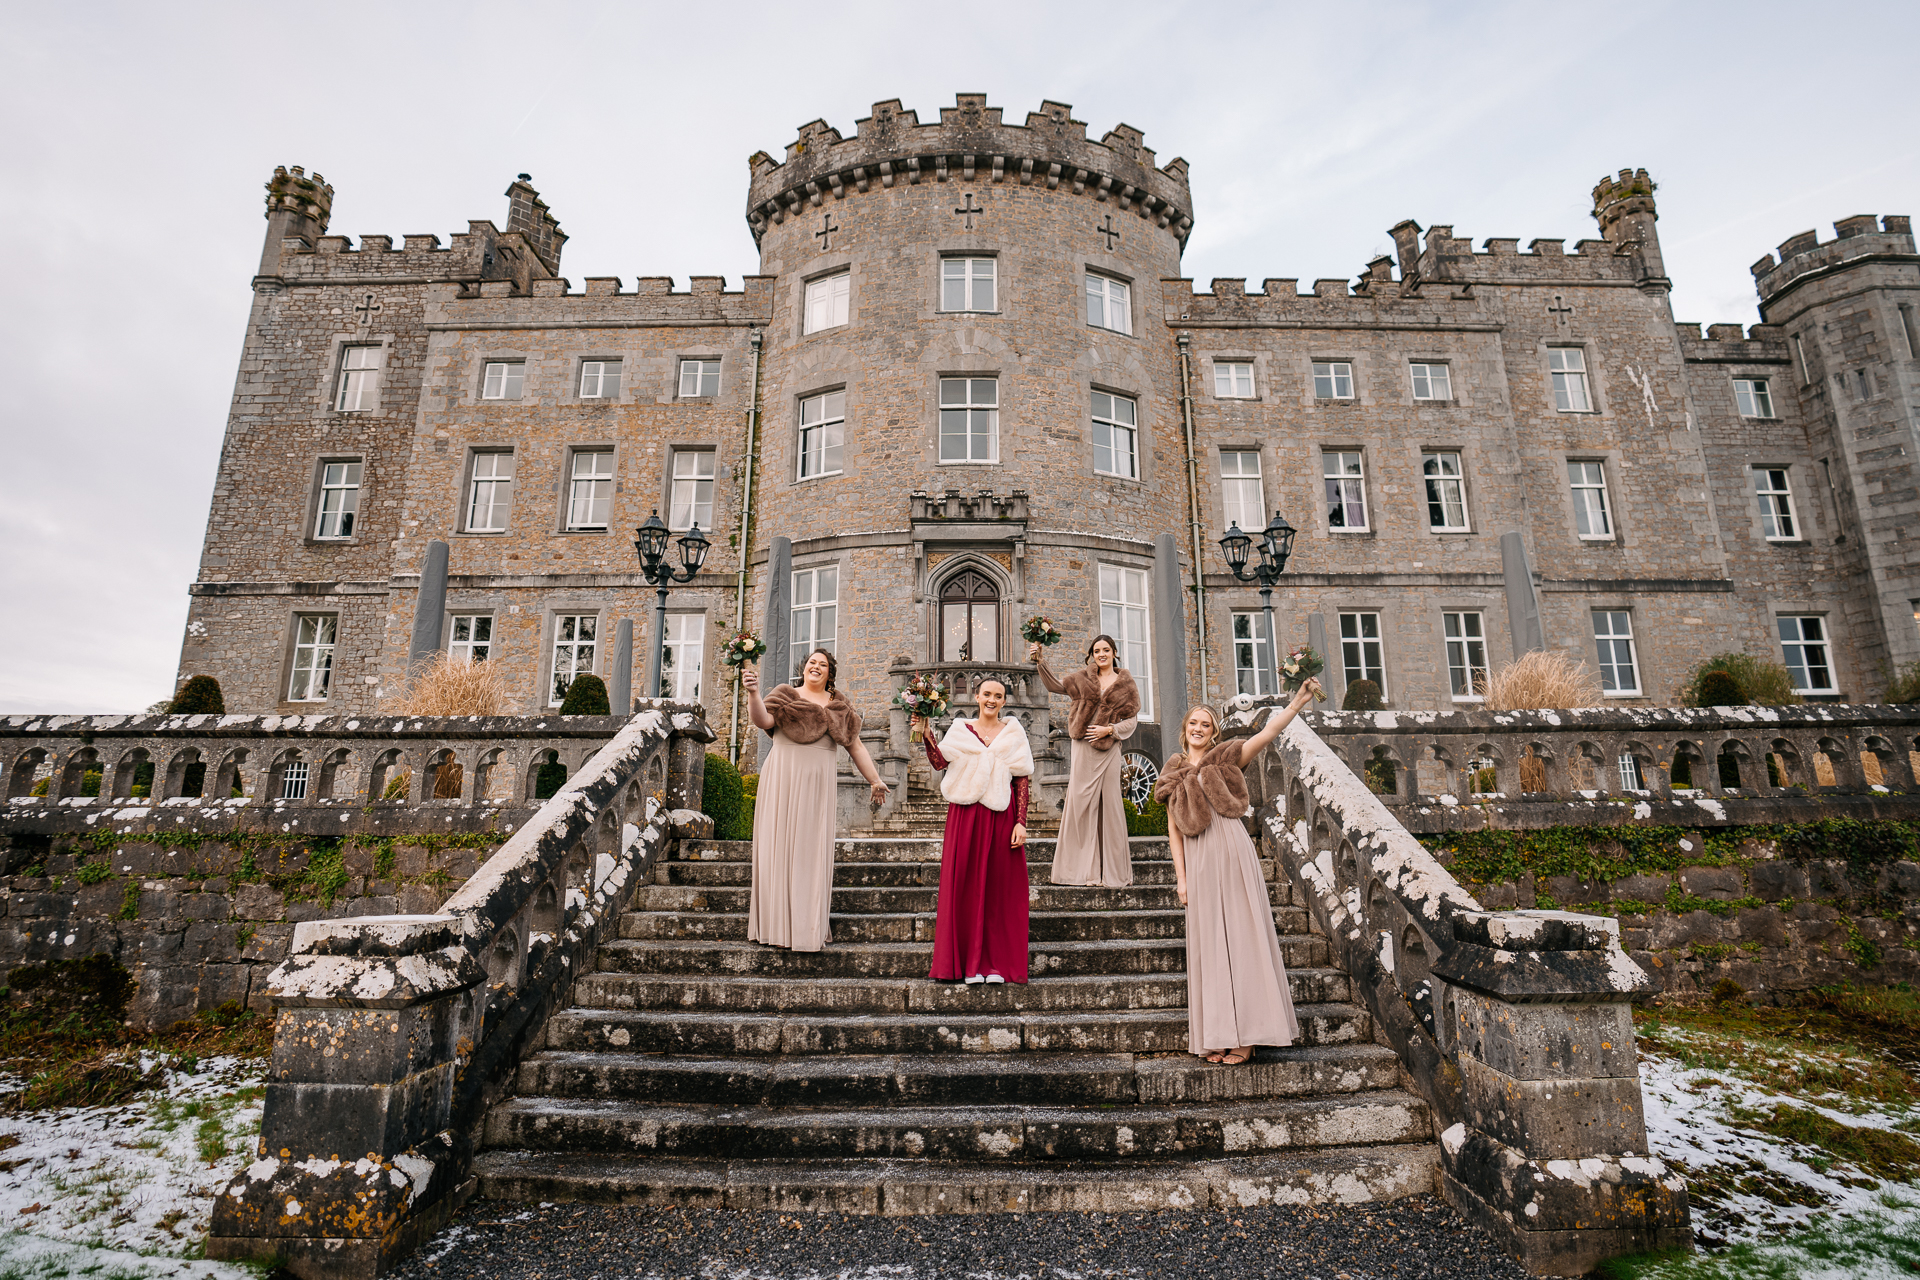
x: 1905, y: 685
x: 1362, y: 695
x: 721, y: 799
x: 200, y: 695
x: 586, y: 696
x: 1719, y: 689
x: 1150, y: 821
x: 552, y: 776
x: 90, y: 783
x: 1761, y: 681
x: 1381, y: 775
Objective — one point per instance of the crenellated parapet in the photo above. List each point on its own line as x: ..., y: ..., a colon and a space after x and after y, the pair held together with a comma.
x: 970, y: 143
x: 1445, y: 257
x: 1732, y: 344
x: 654, y: 301
x: 1377, y: 298
x: 1858, y: 239
x: 292, y: 191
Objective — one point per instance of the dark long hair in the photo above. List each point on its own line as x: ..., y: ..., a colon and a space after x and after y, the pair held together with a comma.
x: 833, y: 668
x: 1111, y: 644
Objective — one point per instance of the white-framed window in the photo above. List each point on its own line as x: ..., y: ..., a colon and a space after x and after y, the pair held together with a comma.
x: 1332, y: 380
x: 823, y: 426
x: 691, y: 501
x: 1446, y: 492
x: 827, y: 302
x: 573, y: 652
x: 293, y: 780
x: 967, y: 284
x: 1109, y: 304
x: 504, y: 381
x: 313, y: 643
x: 1775, y: 496
x: 1613, y: 643
x: 1346, y: 480
x: 1568, y: 367
x: 1233, y: 379
x: 590, y: 489
x: 1360, y: 656
x: 599, y: 379
x: 701, y: 377
x: 1252, y: 653
x: 1466, y: 655
x: 1803, y: 643
x: 359, y: 379
x: 969, y: 420
x: 1631, y: 777
x: 1431, y: 381
x: 1243, y: 501
x: 472, y: 638
x: 339, y: 500
x: 489, y: 492
x: 1754, y: 399
x: 1116, y: 437
x: 1592, y: 515
x: 813, y: 617
x: 681, y: 656
x: 1123, y: 615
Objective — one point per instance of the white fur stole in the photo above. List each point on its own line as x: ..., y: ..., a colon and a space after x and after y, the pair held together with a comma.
x: 983, y: 773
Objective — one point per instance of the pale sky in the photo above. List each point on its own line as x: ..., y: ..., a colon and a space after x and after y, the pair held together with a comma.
x: 138, y: 137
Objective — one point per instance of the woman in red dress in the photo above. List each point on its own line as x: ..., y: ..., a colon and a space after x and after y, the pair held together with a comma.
x: 980, y: 926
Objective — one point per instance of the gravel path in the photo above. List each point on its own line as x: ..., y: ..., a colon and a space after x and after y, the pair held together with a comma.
x: 1405, y: 1240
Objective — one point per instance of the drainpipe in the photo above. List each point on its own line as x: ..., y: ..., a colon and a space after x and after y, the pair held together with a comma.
x: 750, y: 466
x: 1193, y: 505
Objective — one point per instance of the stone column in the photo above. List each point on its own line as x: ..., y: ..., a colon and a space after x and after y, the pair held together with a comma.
x: 773, y: 667
x: 1523, y: 602
x: 1334, y: 678
x: 1169, y: 637
x: 620, y: 675
x: 429, y: 606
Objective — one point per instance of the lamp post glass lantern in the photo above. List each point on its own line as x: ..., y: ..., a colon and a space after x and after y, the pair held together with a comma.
x: 1276, y: 548
x: 650, y: 543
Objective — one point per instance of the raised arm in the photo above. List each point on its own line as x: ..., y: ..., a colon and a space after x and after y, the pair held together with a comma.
x: 1251, y: 747
x: 756, y: 709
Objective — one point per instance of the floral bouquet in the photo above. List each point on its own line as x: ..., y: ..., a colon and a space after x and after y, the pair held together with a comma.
x: 921, y: 696
x: 742, y: 649
x: 1300, y: 666
x: 1040, y: 630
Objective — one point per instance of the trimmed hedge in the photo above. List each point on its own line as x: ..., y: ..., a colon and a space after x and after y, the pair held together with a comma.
x: 1151, y: 821
x: 723, y: 799
x: 200, y: 695
x: 586, y: 696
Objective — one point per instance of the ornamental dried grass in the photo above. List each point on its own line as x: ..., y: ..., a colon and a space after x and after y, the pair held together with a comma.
x: 450, y: 687
x: 1543, y: 679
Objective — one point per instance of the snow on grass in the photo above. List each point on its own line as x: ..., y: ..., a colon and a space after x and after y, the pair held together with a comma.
x: 129, y: 1188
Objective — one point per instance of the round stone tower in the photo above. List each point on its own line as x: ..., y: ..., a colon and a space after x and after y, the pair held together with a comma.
x: 970, y: 400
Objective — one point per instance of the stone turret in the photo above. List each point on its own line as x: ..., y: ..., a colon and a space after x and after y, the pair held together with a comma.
x: 297, y: 208
x: 1857, y: 241
x: 1624, y: 208
x: 527, y: 213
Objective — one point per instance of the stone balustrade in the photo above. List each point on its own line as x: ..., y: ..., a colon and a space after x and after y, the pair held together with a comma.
x: 396, y: 1032
x: 1515, y: 1025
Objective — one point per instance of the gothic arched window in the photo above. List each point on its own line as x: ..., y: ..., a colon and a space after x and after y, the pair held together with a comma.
x: 969, y: 619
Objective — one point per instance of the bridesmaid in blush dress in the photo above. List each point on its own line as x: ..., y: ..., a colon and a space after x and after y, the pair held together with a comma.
x: 1092, y: 847
x: 1236, y: 981
x: 980, y: 924
x: 792, y: 894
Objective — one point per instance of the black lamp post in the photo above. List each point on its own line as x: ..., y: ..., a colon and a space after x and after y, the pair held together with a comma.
x: 650, y: 540
x: 1276, y: 545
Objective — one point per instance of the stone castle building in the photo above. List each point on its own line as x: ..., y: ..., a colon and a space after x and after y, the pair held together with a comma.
x: 970, y: 385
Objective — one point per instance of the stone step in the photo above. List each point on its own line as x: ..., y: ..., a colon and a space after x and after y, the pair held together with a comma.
x: 899, y: 849
x: 956, y: 1079
x: 853, y: 875
x: 987, y: 1135
x: 1343, y: 1175
x: 855, y: 996
x: 1080, y: 1031
x: 1043, y: 926
x: 883, y: 900
x: 913, y: 959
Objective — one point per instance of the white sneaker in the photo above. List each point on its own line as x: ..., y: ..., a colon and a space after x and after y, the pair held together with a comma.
x: 973, y: 978
x: 994, y: 977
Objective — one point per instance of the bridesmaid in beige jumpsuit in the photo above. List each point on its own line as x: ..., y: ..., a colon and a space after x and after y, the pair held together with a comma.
x: 1092, y: 847
x: 792, y: 894
x: 1237, y: 993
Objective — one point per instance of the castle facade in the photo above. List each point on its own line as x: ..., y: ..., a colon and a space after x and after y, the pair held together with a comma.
x: 970, y: 385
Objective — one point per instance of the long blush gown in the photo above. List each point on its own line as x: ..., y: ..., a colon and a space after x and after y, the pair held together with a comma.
x: 980, y: 924
x: 1236, y: 980
x: 793, y: 845
x: 1092, y: 848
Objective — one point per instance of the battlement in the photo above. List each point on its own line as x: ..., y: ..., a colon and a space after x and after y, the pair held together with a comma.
x: 1376, y: 297
x: 292, y: 191
x: 1859, y: 237
x: 1446, y: 257
x: 1732, y: 344
x: 653, y: 300
x: 972, y: 143
x: 1616, y: 198
x: 471, y: 256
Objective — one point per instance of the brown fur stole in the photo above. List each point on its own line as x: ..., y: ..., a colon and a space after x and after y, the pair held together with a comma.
x: 1090, y: 706
x: 1193, y: 795
x: 805, y: 721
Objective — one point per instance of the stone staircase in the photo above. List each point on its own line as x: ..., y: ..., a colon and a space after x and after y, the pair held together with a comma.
x: 697, y: 1068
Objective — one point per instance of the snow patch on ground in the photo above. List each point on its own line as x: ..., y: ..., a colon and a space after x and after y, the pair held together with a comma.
x: 125, y: 1189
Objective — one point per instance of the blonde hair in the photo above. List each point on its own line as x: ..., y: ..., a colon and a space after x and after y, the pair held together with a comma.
x: 1212, y: 718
